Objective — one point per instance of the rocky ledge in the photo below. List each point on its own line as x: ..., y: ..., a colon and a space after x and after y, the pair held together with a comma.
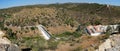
x: 111, y: 44
x: 6, y: 45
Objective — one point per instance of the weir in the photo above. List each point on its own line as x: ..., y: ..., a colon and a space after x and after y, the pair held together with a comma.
x: 44, y: 32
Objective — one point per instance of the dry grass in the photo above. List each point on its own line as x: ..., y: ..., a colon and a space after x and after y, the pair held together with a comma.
x: 60, y: 29
x: 85, y: 42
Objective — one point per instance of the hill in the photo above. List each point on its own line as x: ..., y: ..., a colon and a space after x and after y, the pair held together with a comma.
x: 60, y: 19
x: 70, y: 14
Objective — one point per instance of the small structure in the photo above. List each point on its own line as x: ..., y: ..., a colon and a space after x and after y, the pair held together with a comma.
x: 44, y: 32
x: 100, y: 29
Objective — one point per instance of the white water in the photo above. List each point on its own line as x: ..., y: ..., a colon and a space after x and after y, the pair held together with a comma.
x: 44, y: 32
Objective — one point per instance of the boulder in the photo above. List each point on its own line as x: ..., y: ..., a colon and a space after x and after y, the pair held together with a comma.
x: 9, y: 47
x: 105, y: 45
x: 6, y: 45
x: 1, y: 34
x: 4, y: 40
x: 13, y: 47
x: 111, y: 44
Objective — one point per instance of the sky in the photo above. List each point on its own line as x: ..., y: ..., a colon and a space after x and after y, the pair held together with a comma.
x: 13, y: 3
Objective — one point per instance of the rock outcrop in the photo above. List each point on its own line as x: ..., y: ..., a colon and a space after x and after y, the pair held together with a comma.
x: 6, y: 45
x: 111, y: 44
x: 105, y: 45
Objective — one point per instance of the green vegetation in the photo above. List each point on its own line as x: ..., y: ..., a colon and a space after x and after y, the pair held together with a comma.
x: 10, y: 34
x: 78, y: 49
x: 1, y: 25
x: 53, y: 45
x: 77, y: 34
x: 68, y: 34
x: 68, y: 13
x: 33, y: 28
x: 36, y: 43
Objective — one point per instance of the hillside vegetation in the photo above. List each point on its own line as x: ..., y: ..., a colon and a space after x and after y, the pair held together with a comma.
x: 61, y: 20
x: 68, y: 14
x: 59, y: 14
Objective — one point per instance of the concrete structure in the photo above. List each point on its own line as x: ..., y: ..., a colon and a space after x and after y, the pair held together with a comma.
x: 44, y: 32
x: 100, y: 29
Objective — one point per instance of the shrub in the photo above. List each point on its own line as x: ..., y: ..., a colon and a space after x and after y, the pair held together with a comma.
x: 5, y: 28
x: 36, y: 43
x: 32, y: 28
x: 109, y: 30
x: 67, y: 33
x: 52, y: 45
x: 97, y: 22
x: 77, y: 34
x: 11, y: 34
x: 2, y: 25
x: 78, y: 49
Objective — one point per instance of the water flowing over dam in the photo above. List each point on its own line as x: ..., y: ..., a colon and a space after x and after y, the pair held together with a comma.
x: 44, y: 32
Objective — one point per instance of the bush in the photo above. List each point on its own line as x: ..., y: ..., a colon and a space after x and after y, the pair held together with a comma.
x: 77, y: 34
x: 5, y: 28
x: 67, y: 33
x: 52, y: 45
x: 108, y: 31
x: 36, y: 43
x: 2, y: 25
x: 32, y: 28
x: 78, y: 49
x: 11, y: 34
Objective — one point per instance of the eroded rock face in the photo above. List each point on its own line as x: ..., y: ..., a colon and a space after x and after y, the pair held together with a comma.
x: 115, y: 43
x: 1, y: 34
x: 111, y: 44
x: 6, y: 45
x: 13, y: 47
x: 105, y: 45
x: 4, y: 40
x: 9, y: 47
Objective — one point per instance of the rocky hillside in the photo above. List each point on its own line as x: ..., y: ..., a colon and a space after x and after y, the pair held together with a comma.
x: 60, y: 15
x: 61, y: 20
x: 111, y: 44
x: 6, y: 44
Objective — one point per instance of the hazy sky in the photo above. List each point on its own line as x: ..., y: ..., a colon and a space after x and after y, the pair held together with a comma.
x: 12, y: 3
